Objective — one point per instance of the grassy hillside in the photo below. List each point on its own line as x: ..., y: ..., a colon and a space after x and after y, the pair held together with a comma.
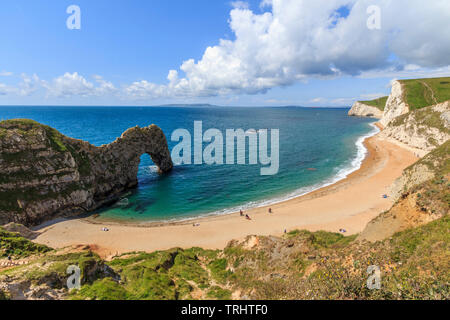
x: 421, y: 93
x: 301, y: 265
x: 379, y: 103
x: 434, y: 195
x: 12, y: 244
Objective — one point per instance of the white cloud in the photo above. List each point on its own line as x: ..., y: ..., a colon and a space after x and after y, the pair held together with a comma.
x: 240, y: 4
x: 26, y: 87
x: 4, y: 90
x: 5, y: 74
x: 291, y: 41
x: 73, y: 84
x: 299, y: 39
x: 371, y: 96
x: 318, y: 100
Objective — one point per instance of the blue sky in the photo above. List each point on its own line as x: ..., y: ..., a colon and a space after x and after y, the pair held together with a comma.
x: 125, y: 49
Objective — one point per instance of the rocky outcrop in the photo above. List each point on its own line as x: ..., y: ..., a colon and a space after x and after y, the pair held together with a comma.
x: 360, y: 109
x: 395, y: 105
x: 44, y: 174
x: 45, y: 277
x: 422, y: 130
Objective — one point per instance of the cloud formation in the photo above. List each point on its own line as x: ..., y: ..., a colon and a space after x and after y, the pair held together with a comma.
x: 299, y: 39
x: 73, y: 84
x: 286, y: 41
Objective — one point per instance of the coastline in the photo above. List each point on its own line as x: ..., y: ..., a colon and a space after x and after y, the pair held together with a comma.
x: 347, y: 204
x: 342, y: 174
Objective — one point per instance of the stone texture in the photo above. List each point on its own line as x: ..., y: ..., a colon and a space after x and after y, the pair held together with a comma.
x: 422, y: 130
x: 395, y: 105
x: 360, y: 109
x: 44, y: 174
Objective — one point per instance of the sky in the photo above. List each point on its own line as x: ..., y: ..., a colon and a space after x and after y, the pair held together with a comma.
x: 240, y: 53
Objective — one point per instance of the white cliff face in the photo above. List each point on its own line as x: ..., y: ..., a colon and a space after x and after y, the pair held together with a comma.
x: 363, y: 110
x: 421, y: 130
x: 444, y: 109
x: 395, y: 106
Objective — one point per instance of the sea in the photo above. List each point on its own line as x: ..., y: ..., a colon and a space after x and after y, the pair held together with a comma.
x: 317, y: 147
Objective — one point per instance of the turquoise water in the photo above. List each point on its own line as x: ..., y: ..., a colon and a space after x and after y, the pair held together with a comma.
x: 325, y: 140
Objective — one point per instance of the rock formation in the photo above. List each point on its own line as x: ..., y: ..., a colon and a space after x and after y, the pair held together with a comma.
x: 395, y: 105
x: 44, y: 174
x: 360, y: 109
x: 421, y: 130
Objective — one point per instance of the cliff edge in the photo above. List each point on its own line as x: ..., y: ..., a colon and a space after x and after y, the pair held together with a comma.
x: 44, y: 174
x: 361, y: 109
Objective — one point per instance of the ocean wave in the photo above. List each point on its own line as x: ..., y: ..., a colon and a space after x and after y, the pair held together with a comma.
x: 341, y: 174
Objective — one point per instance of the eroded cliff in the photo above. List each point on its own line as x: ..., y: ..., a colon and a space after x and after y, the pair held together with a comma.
x: 360, y: 109
x: 44, y: 174
x: 422, y: 130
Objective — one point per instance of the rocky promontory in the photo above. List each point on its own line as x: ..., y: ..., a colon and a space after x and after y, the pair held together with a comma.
x: 44, y: 174
x: 360, y: 109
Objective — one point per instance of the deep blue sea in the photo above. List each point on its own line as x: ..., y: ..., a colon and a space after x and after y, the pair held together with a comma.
x: 317, y: 147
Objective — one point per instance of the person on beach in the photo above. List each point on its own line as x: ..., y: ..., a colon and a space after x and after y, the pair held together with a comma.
x: 247, y: 217
x: 270, y: 210
x: 242, y: 213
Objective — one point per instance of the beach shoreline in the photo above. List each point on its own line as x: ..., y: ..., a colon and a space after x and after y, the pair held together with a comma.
x: 343, y: 174
x: 348, y: 204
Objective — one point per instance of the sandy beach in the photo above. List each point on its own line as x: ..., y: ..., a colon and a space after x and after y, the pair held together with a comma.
x: 349, y: 204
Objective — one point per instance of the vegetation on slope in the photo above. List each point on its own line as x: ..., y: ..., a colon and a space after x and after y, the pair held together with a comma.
x: 413, y: 266
x: 301, y: 265
x: 163, y: 275
x: 420, y: 93
x: 425, y: 117
x: 379, y: 103
x: 13, y: 245
x: 434, y: 195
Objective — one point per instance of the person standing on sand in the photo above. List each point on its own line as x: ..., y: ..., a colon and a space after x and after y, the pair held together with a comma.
x: 242, y: 213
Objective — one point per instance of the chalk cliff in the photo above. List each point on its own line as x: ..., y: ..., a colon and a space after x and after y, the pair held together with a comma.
x: 360, y: 109
x: 44, y: 174
x: 421, y: 130
x: 395, y: 105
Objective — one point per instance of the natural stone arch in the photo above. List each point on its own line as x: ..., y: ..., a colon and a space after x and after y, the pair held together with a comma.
x: 46, y: 174
x: 127, y: 150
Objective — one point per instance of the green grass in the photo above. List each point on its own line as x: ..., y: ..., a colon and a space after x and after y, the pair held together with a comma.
x: 420, y: 93
x: 414, y: 265
x: 379, y: 103
x: 322, y: 239
x: 55, y: 267
x: 12, y: 244
x: 105, y: 289
x: 219, y: 293
x: 161, y: 275
x: 219, y: 270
